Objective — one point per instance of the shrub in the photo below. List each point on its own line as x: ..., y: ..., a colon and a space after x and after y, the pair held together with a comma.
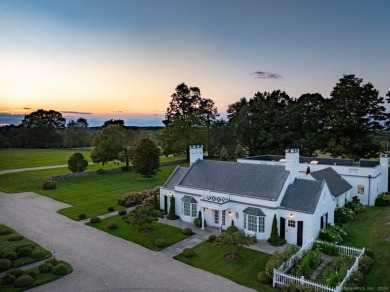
x: 188, y: 252
x: 365, y: 264
x: 355, y: 281
x: 110, y: 209
x: 32, y: 273
x: 277, y: 259
x: 5, y: 231
x: 23, y: 281
x: 94, y: 220
x: 24, y: 251
x: 212, y: 238
x: 122, y: 212
x: 333, y: 233
x: 7, y: 279
x: 15, y: 272
x: 263, y: 278
x: 292, y: 287
x: 369, y: 252
x: 302, y: 268
x: 355, y: 205
x: 82, y: 216
x: 49, y: 185
x: 77, y: 163
x: 100, y: 171
x: 45, y: 268
x: 232, y: 228
x: 15, y: 237
x: 52, y: 261
x: 112, y: 225
x: 5, y: 264
x: 136, y: 198
x: 160, y: 242
x: 383, y: 200
x: 275, y: 238
x: 331, y: 280
x: 326, y: 248
x: 187, y: 231
x: 37, y: 254
x: 10, y: 255
x: 60, y: 270
x: 342, y: 215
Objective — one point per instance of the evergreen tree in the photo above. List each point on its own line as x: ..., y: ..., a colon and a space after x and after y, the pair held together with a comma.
x: 307, y: 170
x: 146, y: 158
x: 172, y: 209
x: 77, y: 163
x: 275, y: 239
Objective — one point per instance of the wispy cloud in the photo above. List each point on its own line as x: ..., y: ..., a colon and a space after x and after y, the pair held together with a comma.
x: 265, y: 75
x: 118, y: 111
x: 74, y: 112
x: 27, y: 108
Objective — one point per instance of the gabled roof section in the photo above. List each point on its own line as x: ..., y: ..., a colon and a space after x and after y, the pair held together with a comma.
x: 189, y: 199
x: 337, y: 185
x: 254, y: 211
x: 175, y: 177
x: 303, y: 195
x: 261, y: 181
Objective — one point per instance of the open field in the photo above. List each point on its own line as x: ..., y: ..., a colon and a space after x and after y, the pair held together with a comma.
x: 369, y: 230
x: 90, y: 195
x: 212, y: 259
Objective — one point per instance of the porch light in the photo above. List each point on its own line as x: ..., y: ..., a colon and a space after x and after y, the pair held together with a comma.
x: 230, y: 213
x: 206, y: 209
x: 170, y: 194
x: 291, y: 215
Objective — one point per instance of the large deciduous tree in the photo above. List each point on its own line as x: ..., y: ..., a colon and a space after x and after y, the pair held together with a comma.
x: 146, y: 158
x: 188, y: 120
x: 43, y: 129
x: 355, y: 112
x: 76, y: 133
x: 113, y: 142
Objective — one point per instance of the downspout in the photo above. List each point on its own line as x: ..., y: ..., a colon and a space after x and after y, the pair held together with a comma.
x: 369, y: 189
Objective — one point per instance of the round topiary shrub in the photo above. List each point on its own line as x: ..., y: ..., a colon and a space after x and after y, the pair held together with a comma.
x: 5, y: 231
x: 7, y: 279
x: 263, y: 278
x: 15, y: 237
x: 160, y: 242
x: 49, y: 185
x: 94, y: 220
x: 10, y: 255
x: 15, y: 272
x: 45, y: 268
x: 24, y: 251
x: 24, y: 281
x: 188, y: 252
x: 37, y: 254
x: 60, y: 270
x: 5, y: 264
x: 122, y: 212
x: 110, y: 209
x: 187, y: 231
x: 32, y: 273
x: 112, y: 225
x: 212, y: 238
x: 82, y: 216
x: 52, y: 261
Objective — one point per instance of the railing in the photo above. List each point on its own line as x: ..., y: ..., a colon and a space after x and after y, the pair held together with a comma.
x: 215, y: 198
x: 281, y: 278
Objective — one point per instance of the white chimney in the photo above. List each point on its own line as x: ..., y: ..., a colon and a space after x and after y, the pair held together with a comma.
x: 292, y: 163
x: 196, y: 153
x: 384, y: 162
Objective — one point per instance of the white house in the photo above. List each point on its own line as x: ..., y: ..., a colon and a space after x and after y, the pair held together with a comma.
x: 251, y: 194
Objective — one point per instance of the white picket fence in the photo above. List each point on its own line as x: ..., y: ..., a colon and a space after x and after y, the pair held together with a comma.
x: 281, y: 278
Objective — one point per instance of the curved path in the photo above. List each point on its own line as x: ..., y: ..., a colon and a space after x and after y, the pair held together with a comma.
x: 101, y: 262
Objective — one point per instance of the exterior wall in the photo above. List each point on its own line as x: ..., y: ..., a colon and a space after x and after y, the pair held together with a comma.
x: 196, y: 153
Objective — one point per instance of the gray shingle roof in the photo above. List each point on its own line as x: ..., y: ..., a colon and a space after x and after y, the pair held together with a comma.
x: 261, y: 181
x: 303, y: 195
x: 189, y: 199
x: 175, y: 177
x: 337, y: 185
x: 254, y: 211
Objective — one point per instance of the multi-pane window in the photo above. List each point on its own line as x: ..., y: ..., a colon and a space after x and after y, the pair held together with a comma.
x: 291, y: 223
x: 261, y: 224
x: 223, y: 217
x: 254, y: 223
x: 216, y: 216
x: 189, y: 209
x: 360, y: 189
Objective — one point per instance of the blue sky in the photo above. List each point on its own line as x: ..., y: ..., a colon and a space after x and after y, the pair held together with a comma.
x: 123, y: 59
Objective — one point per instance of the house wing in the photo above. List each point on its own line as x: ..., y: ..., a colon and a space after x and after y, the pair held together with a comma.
x: 175, y: 177
x: 261, y: 181
x: 336, y: 183
x: 303, y: 195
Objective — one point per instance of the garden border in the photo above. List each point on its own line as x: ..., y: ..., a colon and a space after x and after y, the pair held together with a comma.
x: 280, y: 277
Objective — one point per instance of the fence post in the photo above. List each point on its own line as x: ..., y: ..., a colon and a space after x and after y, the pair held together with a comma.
x: 274, y: 279
x: 302, y: 280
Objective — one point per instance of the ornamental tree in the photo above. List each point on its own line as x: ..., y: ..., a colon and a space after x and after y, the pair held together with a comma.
x: 143, y: 216
x: 234, y: 241
x: 146, y: 158
x: 77, y: 163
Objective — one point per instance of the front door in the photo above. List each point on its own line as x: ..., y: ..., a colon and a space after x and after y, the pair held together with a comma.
x: 282, y: 228
x: 166, y: 203
x: 299, y: 233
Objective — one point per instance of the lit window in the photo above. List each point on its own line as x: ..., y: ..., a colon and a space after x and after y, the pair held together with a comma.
x: 291, y: 223
x: 360, y: 189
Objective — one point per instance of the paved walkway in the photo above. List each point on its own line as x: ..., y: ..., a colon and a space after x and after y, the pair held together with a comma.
x: 326, y: 259
x: 100, y: 262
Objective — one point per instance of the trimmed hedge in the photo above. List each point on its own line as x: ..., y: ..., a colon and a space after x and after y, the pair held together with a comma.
x: 212, y: 238
x: 112, y: 225
x: 24, y: 281
x: 52, y: 261
x: 187, y: 231
x: 7, y: 279
x: 188, y: 252
x: 45, y: 268
x: 5, y: 231
x: 82, y: 216
x: 160, y: 242
x: 60, y: 270
x: 122, y: 212
x: 37, y: 254
x: 16, y: 272
x: 5, y: 264
x: 94, y: 220
x: 15, y: 237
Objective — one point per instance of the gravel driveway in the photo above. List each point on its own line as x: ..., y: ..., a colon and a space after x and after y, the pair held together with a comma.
x: 100, y: 262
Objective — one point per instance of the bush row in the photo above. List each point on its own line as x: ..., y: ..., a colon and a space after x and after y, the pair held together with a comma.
x: 136, y: 198
x: 333, y: 233
x: 383, y: 200
x: 349, y: 211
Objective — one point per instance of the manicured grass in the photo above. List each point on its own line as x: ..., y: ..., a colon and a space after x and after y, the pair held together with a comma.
x: 90, y: 195
x: 23, y: 158
x: 368, y: 230
x: 131, y: 232
x: 11, y: 246
x: 212, y: 259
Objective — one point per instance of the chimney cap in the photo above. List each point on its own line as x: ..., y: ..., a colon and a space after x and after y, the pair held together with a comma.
x: 292, y: 150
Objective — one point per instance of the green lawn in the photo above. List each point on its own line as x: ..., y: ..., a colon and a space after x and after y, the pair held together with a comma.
x: 90, y: 195
x: 131, y: 232
x: 368, y: 230
x: 212, y: 259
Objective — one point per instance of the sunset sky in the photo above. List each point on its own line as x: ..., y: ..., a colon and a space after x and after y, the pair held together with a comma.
x: 123, y: 59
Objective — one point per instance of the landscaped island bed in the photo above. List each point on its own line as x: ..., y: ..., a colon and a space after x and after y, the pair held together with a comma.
x: 16, y: 252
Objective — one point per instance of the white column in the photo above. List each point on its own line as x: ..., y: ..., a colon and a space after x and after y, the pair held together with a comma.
x: 202, y: 217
